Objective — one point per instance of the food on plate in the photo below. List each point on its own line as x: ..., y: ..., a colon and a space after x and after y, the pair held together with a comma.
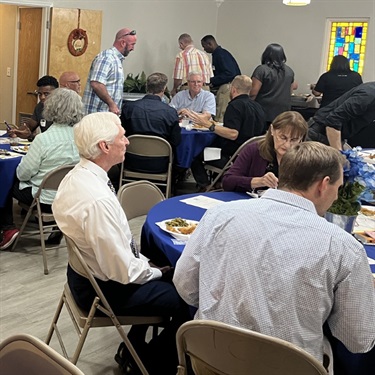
x: 179, y: 225
x: 367, y: 212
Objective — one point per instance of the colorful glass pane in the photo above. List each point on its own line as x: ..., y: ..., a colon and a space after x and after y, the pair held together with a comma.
x: 348, y: 39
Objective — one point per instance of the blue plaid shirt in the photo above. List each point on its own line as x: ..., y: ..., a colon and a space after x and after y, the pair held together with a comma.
x: 107, y: 69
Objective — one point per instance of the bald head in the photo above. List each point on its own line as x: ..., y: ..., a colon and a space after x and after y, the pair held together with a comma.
x: 71, y: 81
x: 125, y: 40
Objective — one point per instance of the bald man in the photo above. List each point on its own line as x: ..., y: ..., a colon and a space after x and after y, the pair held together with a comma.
x: 71, y: 81
x: 104, y: 86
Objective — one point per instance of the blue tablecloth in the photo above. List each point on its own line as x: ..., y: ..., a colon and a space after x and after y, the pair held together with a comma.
x: 153, y: 237
x: 7, y: 174
x: 346, y: 363
x: 192, y: 144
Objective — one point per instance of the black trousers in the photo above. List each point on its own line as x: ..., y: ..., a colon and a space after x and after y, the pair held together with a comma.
x: 200, y: 173
x: 156, y: 297
x: 24, y: 196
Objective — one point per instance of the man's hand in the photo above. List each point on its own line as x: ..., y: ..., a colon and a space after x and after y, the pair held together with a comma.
x: 167, y: 272
x: 200, y: 119
x: 113, y: 108
x: 23, y: 132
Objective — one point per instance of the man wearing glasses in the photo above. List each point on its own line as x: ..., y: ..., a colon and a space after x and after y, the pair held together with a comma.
x: 104, y: 86
x: 71, y: 81
x: 45, y: 85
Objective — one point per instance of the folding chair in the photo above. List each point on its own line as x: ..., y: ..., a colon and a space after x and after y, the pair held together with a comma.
x: 25, y: 354
x: 216, y: 173
x: 51, y: 181
x: 217, y: 348
x: 138, y: 197
x: 148, y: 146
x: 83, y: 320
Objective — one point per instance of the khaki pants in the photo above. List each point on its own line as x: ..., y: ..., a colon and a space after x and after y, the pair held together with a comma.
x: 222, y: 100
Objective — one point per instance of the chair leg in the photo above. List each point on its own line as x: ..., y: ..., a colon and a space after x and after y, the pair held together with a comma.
x: 24, y: 223
x: 42, y: 243
x: 55, y: 319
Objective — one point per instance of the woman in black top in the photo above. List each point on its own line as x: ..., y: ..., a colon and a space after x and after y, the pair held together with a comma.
x: 337, y: 81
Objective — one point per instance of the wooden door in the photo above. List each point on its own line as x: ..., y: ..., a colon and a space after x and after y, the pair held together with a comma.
x: 63, y: 21
x: 28, y: 58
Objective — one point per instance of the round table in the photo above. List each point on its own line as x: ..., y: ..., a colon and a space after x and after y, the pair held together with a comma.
x: 8, y: 168
x: 153, y: 237
x: 192, y: 144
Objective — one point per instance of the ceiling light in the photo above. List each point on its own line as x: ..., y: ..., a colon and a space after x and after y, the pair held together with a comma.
x: 296, y: 3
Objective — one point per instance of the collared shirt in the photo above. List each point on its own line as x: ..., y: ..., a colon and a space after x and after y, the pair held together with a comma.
x: 203, y: 102
x: 87, y: 211
x: 107, y: 69
x: 350, y: 113
x: 192, y: 59
x: 274, y: 266
x: 150, y: 116
x: 48, y: 151
x: 225, y: 67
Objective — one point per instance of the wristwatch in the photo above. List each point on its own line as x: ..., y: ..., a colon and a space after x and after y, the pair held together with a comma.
x: 212, y: 128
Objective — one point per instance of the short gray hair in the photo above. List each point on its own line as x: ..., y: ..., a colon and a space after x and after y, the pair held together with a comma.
x: 93, y: 128
x: 63, y: 107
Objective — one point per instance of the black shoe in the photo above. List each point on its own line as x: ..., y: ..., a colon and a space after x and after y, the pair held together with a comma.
x: 54, y: 238
x: 126, y: 361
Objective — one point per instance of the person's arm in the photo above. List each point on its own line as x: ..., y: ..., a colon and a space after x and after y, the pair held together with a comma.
x: 209, y: 106
x: 247, y: 172
x: 255, y: 88
x: 176, y: 85
x: 222, y: 131
x: 108, y: 235
x: 352, y: 320
x: 101, y: 90
x: 334, y: 137
x: 177, y: 74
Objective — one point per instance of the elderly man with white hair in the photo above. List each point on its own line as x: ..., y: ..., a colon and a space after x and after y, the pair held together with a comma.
x: 87, y: 210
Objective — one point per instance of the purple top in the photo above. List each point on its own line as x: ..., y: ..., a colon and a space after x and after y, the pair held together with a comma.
x: 248, y: 164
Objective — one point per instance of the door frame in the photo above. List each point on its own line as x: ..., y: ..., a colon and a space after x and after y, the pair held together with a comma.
x: 43, y: 59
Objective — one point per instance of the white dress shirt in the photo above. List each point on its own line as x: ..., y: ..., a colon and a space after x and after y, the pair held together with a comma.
x: 203, y: 102
x: 274, y: 266
x: 87, y: 211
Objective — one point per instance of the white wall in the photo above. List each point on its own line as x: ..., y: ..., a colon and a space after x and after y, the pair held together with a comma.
x: 243, y: 27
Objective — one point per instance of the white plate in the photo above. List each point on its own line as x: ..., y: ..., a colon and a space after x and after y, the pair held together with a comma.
x: 177, y: 236
x: 364, y: 222
x: 203, y: 129
x: 366, y: 156
x: 20, y: 149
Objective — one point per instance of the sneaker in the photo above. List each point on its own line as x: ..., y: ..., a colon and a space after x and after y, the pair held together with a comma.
x: 9, y: 236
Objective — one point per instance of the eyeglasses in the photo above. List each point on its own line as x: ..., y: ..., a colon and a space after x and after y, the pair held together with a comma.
x: 195, y: 82
x: 133, y: 32
x: 283, y: 139
x: 77, y: 81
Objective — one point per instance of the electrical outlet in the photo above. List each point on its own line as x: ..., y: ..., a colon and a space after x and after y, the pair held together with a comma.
x: 8, y: 71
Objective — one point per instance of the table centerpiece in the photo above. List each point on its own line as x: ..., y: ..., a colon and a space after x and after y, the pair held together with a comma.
x: 358, y: 186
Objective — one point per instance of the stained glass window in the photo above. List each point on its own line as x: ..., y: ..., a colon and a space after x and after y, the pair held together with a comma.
x: 348, y: 39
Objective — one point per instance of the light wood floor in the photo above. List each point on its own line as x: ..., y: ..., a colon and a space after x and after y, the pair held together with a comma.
x: 28, y: 301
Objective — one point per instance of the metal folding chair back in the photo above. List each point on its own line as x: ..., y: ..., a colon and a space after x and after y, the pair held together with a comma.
x: 149, y: 146
x: 51, y: 181
x: 138, y: 197
x: 83, y: 320
x: 217, y: 348
x: 26, y: 354
x: 216, y: 173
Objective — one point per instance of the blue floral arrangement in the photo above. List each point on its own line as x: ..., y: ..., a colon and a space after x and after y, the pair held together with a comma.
x: 359, y: 185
